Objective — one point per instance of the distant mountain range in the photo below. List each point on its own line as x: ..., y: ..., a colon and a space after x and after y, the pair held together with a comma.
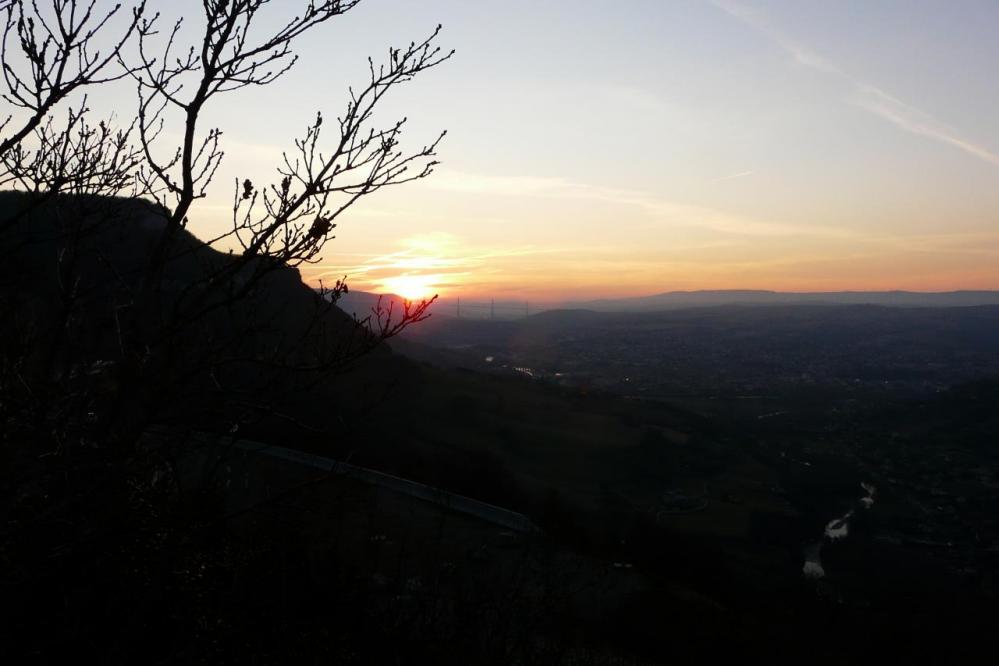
x: 362, y: 302
x: 681, y: 299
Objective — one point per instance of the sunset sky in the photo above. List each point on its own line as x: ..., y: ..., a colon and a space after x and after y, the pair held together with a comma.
x: 620, y: 148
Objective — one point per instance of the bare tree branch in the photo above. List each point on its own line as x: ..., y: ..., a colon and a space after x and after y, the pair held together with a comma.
x: 53, y: 57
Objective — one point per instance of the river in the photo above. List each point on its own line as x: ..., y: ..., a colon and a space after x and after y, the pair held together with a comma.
x: 836, y: 529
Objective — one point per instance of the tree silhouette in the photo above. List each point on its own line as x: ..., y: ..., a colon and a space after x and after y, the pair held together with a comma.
x: 180, y: 289
x: 117, y: 318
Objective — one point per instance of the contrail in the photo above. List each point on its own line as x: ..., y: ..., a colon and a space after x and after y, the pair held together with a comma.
x: 866, y: 96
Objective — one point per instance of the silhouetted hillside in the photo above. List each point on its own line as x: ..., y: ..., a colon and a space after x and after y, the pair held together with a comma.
x: 103, y: 246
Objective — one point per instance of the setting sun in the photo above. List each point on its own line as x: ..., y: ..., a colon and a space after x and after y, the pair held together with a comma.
x: 410, y: 287
x: 423, y: 266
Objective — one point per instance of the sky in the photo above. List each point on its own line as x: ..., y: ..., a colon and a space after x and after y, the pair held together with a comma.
x: 601, y: 149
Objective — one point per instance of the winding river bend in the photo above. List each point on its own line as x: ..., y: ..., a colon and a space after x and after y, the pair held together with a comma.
x: 836, y: 529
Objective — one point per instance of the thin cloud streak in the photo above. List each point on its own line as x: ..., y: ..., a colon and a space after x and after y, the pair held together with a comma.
x: 911, y: 119
x: 440, y: 259
x: 741, y: 174
x: 865, y: 96
x: 662, y: 210
x: 756, y: 20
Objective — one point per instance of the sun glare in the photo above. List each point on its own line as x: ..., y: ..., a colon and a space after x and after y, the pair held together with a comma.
x: 410, y: 287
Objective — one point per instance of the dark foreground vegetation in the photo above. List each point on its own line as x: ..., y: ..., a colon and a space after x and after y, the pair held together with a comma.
x: 672, y: 530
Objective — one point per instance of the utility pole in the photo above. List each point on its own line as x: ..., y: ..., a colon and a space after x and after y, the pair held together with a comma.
x: 527, y: 308
x: 492, y: 309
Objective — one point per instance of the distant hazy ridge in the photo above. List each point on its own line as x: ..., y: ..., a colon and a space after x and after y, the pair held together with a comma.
x: 679, y: 299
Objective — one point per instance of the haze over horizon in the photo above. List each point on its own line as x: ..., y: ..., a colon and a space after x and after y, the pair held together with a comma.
x: 599, y: 150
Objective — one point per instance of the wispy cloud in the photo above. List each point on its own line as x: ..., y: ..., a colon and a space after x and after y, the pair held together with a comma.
x: 733, y: 176
x: 471, y: 183
x: 440, y: 260
x: 759, y: 22
x: 913, y: 120
x: 864, y: 95
x: 659, y: 209
x: 973, y: 244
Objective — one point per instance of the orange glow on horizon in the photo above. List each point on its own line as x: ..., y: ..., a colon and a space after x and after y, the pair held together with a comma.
x: 410, y: 287
x: 451, y: 266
